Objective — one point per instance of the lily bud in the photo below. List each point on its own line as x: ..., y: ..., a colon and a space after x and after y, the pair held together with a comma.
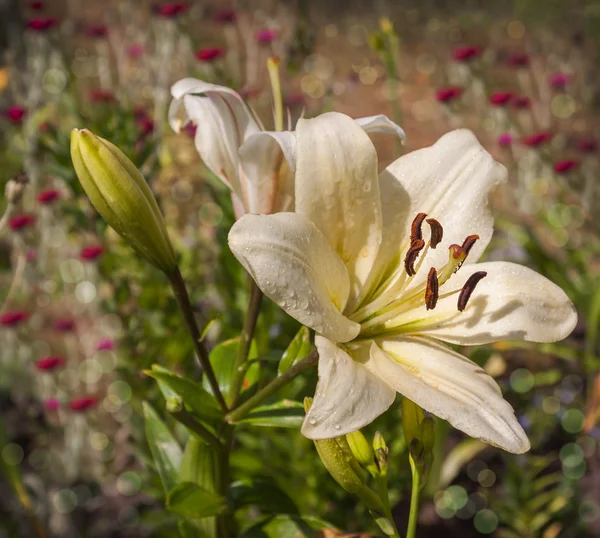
x: 412, y: 416
x: 121, y: 195
x: 361, y: 449
x: 381, y: 453
x: 174, y: 404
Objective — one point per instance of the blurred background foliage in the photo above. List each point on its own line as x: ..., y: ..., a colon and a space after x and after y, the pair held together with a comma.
x: 73, y: 449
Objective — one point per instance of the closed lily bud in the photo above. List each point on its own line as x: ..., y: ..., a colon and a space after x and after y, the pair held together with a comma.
x: 121, y: 195
x: 412, y: 416
x: 361, y: 449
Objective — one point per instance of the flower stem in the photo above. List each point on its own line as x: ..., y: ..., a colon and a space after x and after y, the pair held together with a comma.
x: 277, y: 383
x: 184, y: 417
x: 414, y: 501
x: 245, y: 342
x: 183, y: 299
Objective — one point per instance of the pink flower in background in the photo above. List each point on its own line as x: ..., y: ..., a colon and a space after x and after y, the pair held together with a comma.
x: 225, y: 16
x: 505, y: 140
x: 47, y: 364
x: 65, y: 325
x: 249, y: 93
x: 190, y: 129
x: 295, y: 99
x: 91, y: 253
x: 52, y: 404
x: 145, y: 125
x: 102, y: 96
x: 97, y: 30
x: 559, y: 80
x: 466, y: 54
x: 12, y: 318
x: 449, y: 94
x: 518, y: 59
x: 521, y: 102
x: 209, y: 54
x: 20, y: 222
x: 48, y: 196
x: 562, y: 167
x: 37, y: 5
x: 15, y: 114
x: 31, y: 255
x: 171, y: 9
x: 537, y: 139
x: 41, y: 24
x: 501, y: 98
x: 587, y: 145
x: 135, y: 50
x: 82, y: 404
x: 105, y: 345
x: 265, y: 36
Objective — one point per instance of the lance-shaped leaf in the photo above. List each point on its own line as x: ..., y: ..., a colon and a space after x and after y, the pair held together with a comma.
x: 282, y: 414
x: 191, y: 501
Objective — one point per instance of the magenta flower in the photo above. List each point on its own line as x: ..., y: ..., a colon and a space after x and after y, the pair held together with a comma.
x: 562, y: 167
x: 209, y: 54
x: 466, y: 54
x: 47, y: 364
x: 15, y: 114
x: 31, y: 255
x: 12, y: 318
x: 518, y: 59
x: 225, y: 16
x: 505, y: 140
x: 537, y: 139
x: 521, y: 102
x: 52, y: 404
x: 91, y: 253
x: 587, y: 145
x: 501, y: 98
x: 105, y: 345
x: 65, y: 325
x: 49, y: 196
x: 20, y: 222
x: 96, y: 30
x: 36, y: 5
x: 171, y: 9
x: 265, y: 36
x: 558, y: 80
x: 449, y: 94
x: 101, y: 96
x: 135, y: 50
x: 190, y: 129
x: 42, y: 24
x: 82, y: 404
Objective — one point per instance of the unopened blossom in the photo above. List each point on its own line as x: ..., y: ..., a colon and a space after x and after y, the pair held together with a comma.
x: 562, y: 167
x: 15, y: 114
x: 558, y: 80
x: 91, y: 253
x: 48, y: 196
x: 537, y: 139
x: 265, y: 36
x: 518, y: 59
x: 83, y: 404
x: 505, y: 140
x: 20, y: 222
x: 383, y: 267
x: 466, y: 54
x: 447, y: 95
x: 209, y: 54
x: 48, y: 364
x: 500, y: 98
x: 42, y: 24
x: 233, y: 144
x: 12, y: 318
x: 51, y: 404
x: 521, y: 102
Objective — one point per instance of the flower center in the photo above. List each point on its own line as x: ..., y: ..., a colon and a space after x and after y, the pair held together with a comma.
x: 398, y: 297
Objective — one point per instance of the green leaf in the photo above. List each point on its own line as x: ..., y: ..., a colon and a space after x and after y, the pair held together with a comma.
x: 299, y: 347
x: 261, y: 492
x: 164, y: 447
x: 222, y: 358
x: 284, y: 526
x: 191, y: 501
x: 198, y: 400
x: 282, y: 414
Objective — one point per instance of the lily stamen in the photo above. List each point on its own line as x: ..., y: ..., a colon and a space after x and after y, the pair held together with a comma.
x: 415, y: 228
x: 468, y: 288
x: 411, y: 256
x: 432, y: 289
x: 437, y: 232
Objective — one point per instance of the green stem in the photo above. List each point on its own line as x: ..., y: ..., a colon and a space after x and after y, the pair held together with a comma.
x: 414, y: 501
x: 183, y: 299
x: 277, y: 383
x: 245, y: 342
x: 184, y: 417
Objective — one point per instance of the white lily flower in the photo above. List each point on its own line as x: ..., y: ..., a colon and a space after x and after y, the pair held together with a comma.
x: 373, y: 265
x: 257, y: 165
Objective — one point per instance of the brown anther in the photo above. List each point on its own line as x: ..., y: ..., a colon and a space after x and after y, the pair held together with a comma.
x: 415, y: 228
x: 469, y: 242
x: 468, y: 288
x: 411, y: 256
x: 437, y: 232
x: 431, y: 291
x: 456, y: 251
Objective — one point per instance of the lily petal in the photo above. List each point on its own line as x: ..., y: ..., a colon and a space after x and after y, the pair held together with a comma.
x: 451, y: 387
x: 451, y: 182
x: 264, y: 158
x: 348, y: 395
x: 381, y: 124
x: 337, y: 189
x: 223, y: 122
x: 292, y: 263
x: 511, y: 303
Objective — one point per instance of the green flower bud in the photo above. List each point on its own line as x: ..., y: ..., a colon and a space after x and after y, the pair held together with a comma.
x: 121, y: 195
x: 412, y: 416
x: 381, y: 453
x: 174, y: 404
x: 361, y: 449
x: 428, y: 433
